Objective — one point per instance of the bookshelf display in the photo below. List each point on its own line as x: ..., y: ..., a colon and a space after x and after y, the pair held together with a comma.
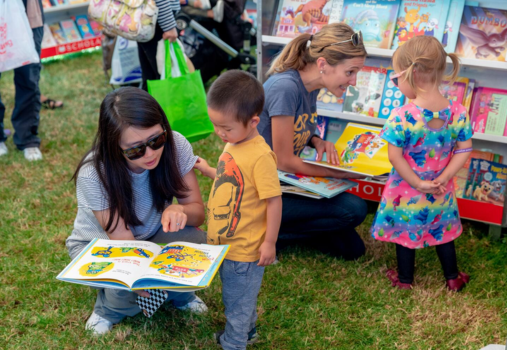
x: 485, y: 72
x: 59, y: 13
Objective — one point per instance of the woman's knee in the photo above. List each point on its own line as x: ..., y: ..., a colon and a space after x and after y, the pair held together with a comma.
x: 355, y: 208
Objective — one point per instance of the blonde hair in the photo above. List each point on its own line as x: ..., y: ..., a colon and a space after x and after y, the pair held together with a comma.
x: 426, y: 56
x: 296, y: 55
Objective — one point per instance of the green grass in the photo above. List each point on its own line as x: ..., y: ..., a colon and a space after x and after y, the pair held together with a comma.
x: 308, y: 301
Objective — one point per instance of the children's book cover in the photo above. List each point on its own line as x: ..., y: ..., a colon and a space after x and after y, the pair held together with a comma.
x: 84, y: 27
x: 299, y: 191
x: 336, y: 11
x: 58, y: 34
x: 329, y: 102
x: 374, y: 18
x: 470, y: 179
x: 96, y: 27
x: 460, y: 179
x: 46, y: 4
x: 365, y: 97
x: 303, y: 17
x: 70, y: 30
x: 48, y: 40
x: 361, y: 150
x: 483, y: 33
x: 392, y: 97
x: 59, y: 2
x: 451, y: 29
x: 325, y: 186
x: 489, y: 184
x: 467, y: 103
x: 420, y: 17
x: 489, y: 111
x: 322, y: 124
x: 133, y: 265
x: 456, y: 91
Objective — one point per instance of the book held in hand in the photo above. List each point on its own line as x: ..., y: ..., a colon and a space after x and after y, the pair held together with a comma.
x: 134, y: 265
x: 361, y: 150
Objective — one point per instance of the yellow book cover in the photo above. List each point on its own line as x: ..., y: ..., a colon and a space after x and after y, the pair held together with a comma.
x: 361, y: 151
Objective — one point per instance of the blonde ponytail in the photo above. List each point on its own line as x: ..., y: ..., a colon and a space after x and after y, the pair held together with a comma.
x: 301, y: 51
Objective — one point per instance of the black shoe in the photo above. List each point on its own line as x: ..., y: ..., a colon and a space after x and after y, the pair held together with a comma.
x: 252, y: 336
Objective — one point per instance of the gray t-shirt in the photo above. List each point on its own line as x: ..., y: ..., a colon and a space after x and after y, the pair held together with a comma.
x: 287, y: 95
x: 92, y: 197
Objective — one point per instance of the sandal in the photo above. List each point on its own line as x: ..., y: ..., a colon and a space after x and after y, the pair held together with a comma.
x: 49, y: 103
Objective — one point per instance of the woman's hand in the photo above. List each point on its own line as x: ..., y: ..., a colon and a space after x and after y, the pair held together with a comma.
x: 174, y: 218
x: 322, y: 146
x: 142, y: 293
x: 170, y: 35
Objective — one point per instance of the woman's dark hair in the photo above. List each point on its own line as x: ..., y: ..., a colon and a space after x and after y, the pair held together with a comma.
x: 122, y: 108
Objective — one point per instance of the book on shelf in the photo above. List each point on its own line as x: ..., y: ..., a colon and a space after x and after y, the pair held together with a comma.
x: 455, y: 91
x: 302, y: 16
x: 365, y: 97
x: 361, y: 150
x: 467, y: 102
x: 460, y: 179
x: 489, y: 111
x: 134, y: 265
x: 488, y: 182
x: 46, y: 4
x: 58, y: 34
x: 420, y: 17
x: 336, y: 11
x: 376, y: 19
x: 320, y: 130
x: 451, y: 29
x: 59, y: 2
x: 47, y: 39
x: 70, y: 30
x: 392, y: 97
x: 482, y: 33
x: 329, y: 102
x: 84, y: 27
x: 74, y: 2
x: 299, y: 191
x: 327, y: 187
x: 96, y: 27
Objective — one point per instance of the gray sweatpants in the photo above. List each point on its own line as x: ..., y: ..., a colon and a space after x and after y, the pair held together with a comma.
x: 114, y: 304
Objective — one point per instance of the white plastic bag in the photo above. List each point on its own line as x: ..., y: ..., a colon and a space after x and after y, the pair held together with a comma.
x: 125, y: 66
x: 17, y: 47
x: 175, y: 71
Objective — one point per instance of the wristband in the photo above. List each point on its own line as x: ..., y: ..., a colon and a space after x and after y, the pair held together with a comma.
x: 463, y: 150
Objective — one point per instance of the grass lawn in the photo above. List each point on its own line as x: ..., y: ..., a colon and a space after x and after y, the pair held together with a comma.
x: 308, y: 300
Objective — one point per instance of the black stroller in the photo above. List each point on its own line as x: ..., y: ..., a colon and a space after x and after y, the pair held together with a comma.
x: 212, y: 46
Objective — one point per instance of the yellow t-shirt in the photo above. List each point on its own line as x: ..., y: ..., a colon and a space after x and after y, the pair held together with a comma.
x: 246, y: 177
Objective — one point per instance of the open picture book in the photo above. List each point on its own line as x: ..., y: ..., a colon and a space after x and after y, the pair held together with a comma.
x: 133, y: 265
x: 361, y: 151
x: 319, y: 186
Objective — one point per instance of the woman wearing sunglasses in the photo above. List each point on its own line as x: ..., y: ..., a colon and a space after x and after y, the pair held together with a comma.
x: 328, y: 59
x: 125, y: 188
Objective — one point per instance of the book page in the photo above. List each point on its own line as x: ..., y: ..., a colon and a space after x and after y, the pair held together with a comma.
x: 123, y: 261
x: 183, y: 263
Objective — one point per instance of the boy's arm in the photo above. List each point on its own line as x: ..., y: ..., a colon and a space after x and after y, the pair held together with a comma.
x: 203, y: 166
x: 274, y: 218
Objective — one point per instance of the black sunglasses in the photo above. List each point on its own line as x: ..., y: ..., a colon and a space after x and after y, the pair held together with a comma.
x: 356, y: 39
x: 139, y: 151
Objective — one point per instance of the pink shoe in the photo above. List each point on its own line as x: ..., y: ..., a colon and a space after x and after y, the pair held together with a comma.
x: 457, y: 284
x: 395, y: 282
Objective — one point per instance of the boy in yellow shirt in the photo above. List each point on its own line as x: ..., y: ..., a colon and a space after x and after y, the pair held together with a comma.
x: 245, y: 204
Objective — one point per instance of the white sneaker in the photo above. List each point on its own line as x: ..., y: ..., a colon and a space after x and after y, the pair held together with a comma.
x: 32, y: 153
x: 218, y: 11
x: 196, y: 306
x: 3, y: 149
x: 99, y: 325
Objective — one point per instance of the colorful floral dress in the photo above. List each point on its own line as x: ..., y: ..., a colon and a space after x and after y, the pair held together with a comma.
x: 409, y: 217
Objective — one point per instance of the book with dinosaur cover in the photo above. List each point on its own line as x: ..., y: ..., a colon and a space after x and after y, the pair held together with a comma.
x: 483, y: 33
x: 375, y: 19
x: 361, y: 151
x: 488, y: 182
x: 451, y: 29
x: 421, y: 17
x: 392, y: 97
x: 133, y: 265
x: 305, y: 16
x: 324, y: 186
x: 365, y: 97
x: 489, y: 111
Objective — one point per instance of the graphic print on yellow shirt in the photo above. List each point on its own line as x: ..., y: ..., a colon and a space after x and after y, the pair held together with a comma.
x: 304, y: 127
x: 246, y: 177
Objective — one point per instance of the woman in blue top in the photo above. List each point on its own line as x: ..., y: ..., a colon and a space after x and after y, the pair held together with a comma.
x: 329, y: 59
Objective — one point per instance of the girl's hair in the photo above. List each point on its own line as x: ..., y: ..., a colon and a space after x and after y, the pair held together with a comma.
x: 296, y: 55
x: 122, y: 108
x: 426, y: 56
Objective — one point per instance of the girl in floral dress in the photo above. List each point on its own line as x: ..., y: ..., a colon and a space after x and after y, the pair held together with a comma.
x: 429, y: 141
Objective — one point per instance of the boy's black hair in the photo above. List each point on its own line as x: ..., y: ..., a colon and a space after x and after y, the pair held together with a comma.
x: 237, y: 93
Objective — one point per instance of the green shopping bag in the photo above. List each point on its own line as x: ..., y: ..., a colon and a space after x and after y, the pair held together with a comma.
x: 183, y: 99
